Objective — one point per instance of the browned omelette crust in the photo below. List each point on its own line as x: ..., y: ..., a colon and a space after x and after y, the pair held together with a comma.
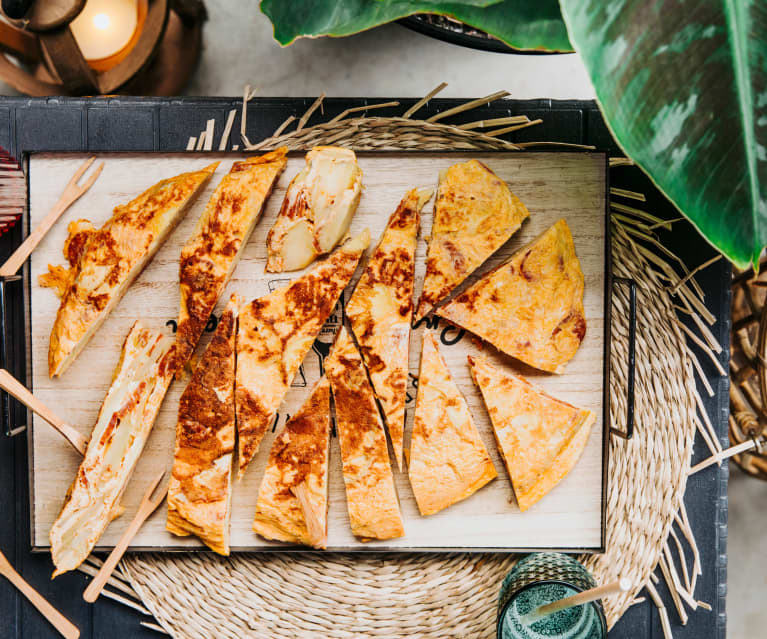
x: 530, y: 307
x: 105, y: 261
x: 275, y: 332
x: 212, y: 252
x: 199, y: 493
x: 540, y: 437
x: 380, y: 311
x: 370, y: 494
x: 448, y: 461
x: 299, y: 455
x: 474, y: 214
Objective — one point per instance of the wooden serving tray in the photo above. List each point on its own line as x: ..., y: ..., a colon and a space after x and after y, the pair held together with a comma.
x: 553, y: 185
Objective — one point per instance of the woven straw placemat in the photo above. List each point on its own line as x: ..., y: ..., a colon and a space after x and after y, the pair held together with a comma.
x: 453, y: 595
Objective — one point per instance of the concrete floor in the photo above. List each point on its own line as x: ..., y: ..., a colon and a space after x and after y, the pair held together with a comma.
x: 747, y: 561
x: 393, y: 61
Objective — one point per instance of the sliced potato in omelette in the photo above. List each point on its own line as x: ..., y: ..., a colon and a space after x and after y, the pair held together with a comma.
x: 317, y: 209
x: 371, y: 497
x: 474, y: 214
x: 200, y: 488
x: 448, y: 461
x: 105, y: 262
x: 211, y: 254
x: 530, y: 307
x: 274, y: 334
x: 381, y: 308
x: 540, y: 438
x: 125, y: 420
x: 293, y: 498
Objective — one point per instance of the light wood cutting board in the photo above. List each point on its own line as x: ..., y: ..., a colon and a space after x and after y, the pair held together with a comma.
x: 552, y: 185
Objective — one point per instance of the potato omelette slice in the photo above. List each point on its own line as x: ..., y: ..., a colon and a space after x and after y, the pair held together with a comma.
x: 371, y: 497
x: 531, y: 306
x: 293, y: 498
x: 123, y: 425
x: 317, y: 210
x: 540, y: 438
x: 448, y: 461
x: 474, y: 214
x: 200, y: 488
x: 211, y: 254
x: 381, y: 308
x: 273, y: 336
x: 105, y: 262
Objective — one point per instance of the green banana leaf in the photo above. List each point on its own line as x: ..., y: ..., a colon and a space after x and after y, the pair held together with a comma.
x: 519, y: 23
x: 683, y: 87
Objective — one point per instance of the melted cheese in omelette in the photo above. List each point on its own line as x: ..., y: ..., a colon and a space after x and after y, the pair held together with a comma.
x: 371, y: 497
x: 540, y: 438
x: 448, y: 461
x: 211, y: 254
x: 530, y: 307
x: 293, y: 498
x: 275, y: 332
x: 105, y: 262
x: 200, y: 488
x: 381, y: 308
x: 125, y: 420
x: 474, y: 214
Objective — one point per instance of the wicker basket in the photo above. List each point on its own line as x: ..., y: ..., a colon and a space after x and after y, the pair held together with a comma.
x: 748, y: 369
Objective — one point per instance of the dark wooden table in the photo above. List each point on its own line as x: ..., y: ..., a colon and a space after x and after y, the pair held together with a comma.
x: 100, y: 124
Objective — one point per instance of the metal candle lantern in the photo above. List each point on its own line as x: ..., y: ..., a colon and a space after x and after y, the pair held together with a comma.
x: 89, y: 47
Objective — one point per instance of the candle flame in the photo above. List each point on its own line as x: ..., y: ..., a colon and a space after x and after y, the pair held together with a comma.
x: 101, y: 21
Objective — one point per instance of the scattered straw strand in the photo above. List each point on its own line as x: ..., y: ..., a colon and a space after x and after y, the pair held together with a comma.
x: 725, y: 454
x: 305, y: 117
x: 707, y: 421
x: 367, y: 107
x: 154, y: 626
x: 482, y: 124
x: 468, y: 105
x: 509, y: 129
x: 644, y: 215
x: 697, y: 269
x: 699, y: 342
x: 665, y: 623
x: 424, y: 100
x: 209, y: 132
x: 284, y: 125
x: 224, y: 142
x: 246, y: 97
x: 632, y: 195
x: 564, y: 145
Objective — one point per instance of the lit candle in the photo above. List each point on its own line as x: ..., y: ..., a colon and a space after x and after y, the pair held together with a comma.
x: 105, y: 27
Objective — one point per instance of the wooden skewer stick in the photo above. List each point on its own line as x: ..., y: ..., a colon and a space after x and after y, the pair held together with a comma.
x: 725, y: 454
x: 59, y: 621
x: 587, y: 596
x: 71, y: 193
x: 148, y: 505
x: 13, y: 386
